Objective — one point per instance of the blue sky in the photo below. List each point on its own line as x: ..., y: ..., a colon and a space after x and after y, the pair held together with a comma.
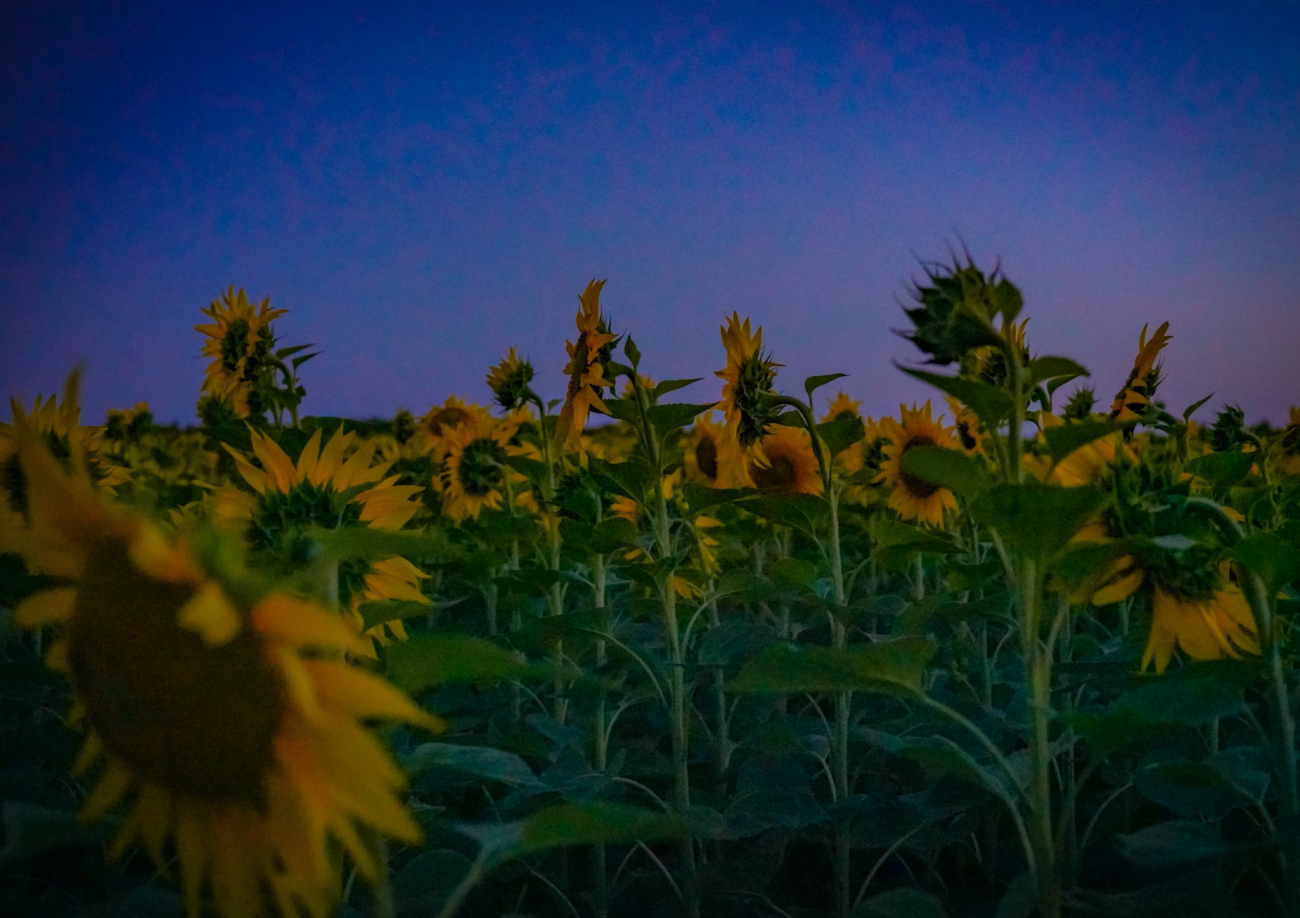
x: 424, y: 187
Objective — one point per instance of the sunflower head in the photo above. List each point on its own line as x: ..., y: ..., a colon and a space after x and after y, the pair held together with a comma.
x: 1289, y: 445
x: 990, y: 364
x: 1079, y: 407
x: 224, y: 714
x: 441, y: 420
x: 509, y: 381
x: 1230, y: 431
x: 842, y: 407
x: 912, y: 497
x: 589, y: 358
x: 239, y: 342
x: 404, y: 426
x: 955, y: 311
x: 477, y: 471
x: 790, y: 467
x: 128, y: 423
x: 749, y: 375
x: 1140, y: 387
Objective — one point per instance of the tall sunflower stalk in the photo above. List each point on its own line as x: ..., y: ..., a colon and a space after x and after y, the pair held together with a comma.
x: 954, y: 323
x: 832, y: 491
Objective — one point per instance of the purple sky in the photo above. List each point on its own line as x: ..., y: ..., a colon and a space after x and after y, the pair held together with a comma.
x: 424, y: 188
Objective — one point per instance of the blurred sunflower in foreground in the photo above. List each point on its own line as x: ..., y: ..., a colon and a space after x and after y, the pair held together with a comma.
x: 914, y: 498
x: 331, y: 486
x: 227, y: 716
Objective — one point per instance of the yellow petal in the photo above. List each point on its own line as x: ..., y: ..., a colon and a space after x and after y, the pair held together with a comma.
x: 48, y: 607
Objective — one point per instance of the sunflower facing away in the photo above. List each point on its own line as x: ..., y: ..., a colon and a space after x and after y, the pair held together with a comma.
x: 913, y: 498
x: 586, y: 369
x: 239, y: 340
x: 749, y: 375
x: 1142, y: 380
x: 329, y: 487
x: 58, y: 424
x: 509, y: 381
x: 228, y: 719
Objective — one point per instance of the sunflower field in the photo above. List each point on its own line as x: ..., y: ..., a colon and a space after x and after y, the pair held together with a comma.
x: 695, y: 647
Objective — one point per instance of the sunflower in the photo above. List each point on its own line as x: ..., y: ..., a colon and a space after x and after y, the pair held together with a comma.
x: 968, y: 429
x: 913, y: 498
x: 239, y: 342
x: 58, y: 424
x: 749, y: 376
x: 1142, y: 380
x: 1084, y: 465
x: 228, y: 716
x: 509, y: 381
x: 791, y: 465
x: 712, y: 458
x: 476, y: 474
x: 842, y: 407
x: 1195, y: 605
x: 326, y: 489
x: 586, y: 368
x: 440, y: 421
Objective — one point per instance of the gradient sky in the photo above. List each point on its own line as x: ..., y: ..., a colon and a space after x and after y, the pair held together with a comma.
x: 424, y: 187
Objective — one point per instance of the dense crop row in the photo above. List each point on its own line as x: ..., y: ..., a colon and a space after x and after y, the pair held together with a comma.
x: 709, y: 657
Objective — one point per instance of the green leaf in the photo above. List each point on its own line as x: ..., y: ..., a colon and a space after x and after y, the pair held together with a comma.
x: 946, y: 468
x: 624, y: 409
x: 891, y: 668
x: 991, y: 403
x: 390, y: 610
x: 1222, y: 470
x: 1191, y: 409
x: 891, y: 533
x: 1192, y: 695
x: 632, y: 478
x: 569, y: 824
x: 700, y: 497
x: 1167, y: 844
x: 1063, y: 440
x: 1274, y: 559
x: 841, y: 434
x: 671, y: 416
x: 426, y: 880
x: 793, y: 572
x: 1035, y: 519
x: 904, y: 902
x: 1006, y: 298
x: 672, y: 385
x: 613, y: 534
x: 479, y: 761
x: 435, y: 659
x: 1044, y: 368
x: 813, y: 383
x: 368, y: 544
x: 632, y: 352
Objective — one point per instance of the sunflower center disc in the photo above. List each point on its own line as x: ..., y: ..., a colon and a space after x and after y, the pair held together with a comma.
x: 198, y: 719
x: 480, y: 467
x: 780, y: 475
x: 706, y: 457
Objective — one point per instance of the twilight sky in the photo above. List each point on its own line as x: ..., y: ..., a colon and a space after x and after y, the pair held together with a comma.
x: 424, y: 187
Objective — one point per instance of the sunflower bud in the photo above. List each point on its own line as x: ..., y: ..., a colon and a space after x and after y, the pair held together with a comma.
x: 956, y: 312
x: 509, y: 381
x: 1079, y: 407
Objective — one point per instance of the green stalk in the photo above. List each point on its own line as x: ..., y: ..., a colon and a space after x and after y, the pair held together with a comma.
x: 843, y: 709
